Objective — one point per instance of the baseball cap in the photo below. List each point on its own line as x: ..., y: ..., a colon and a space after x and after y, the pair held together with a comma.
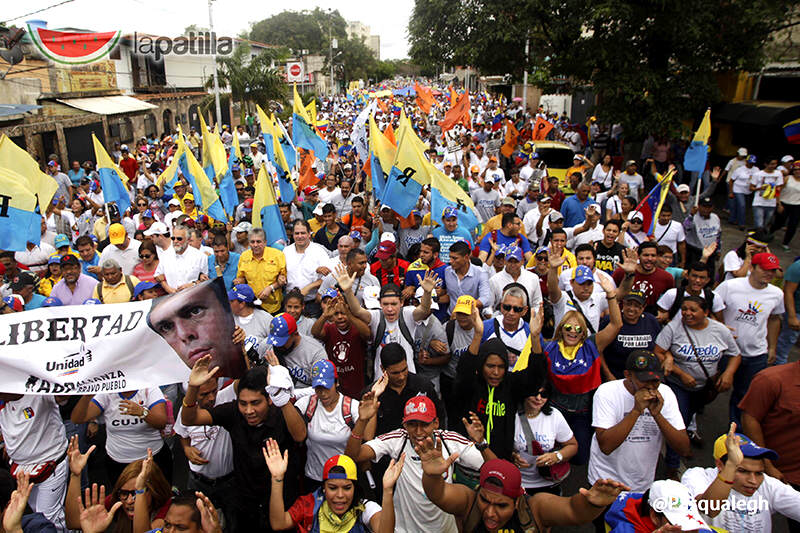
x: 148, y: 213
x: 348, y: 166
x: 371, y: 294
x: 116, y: 234
x: 683, y: 188
x: 677, y: 504
x: 592, y: 206
x: 513, y: 252
x: 535, y: 155
x: 448, y: 164
x: 631, y: 162
x: 545, y: 199
x: 450, y: 212
x: 318, y: 209
x: 144, y: 286
x: 69, y: 259
x: 582, y: 274
x: 748, y: 447
x: 787, y: 159
x: 311, y: 189
x: 281, y: 328
x: 464, y: 304
x: 243, y: 293
x: 356, y: 235
x: 61, y: 240
x: 489, y: 179
x: 157, y: 228
x: 752, y: 159
x: 52, y: 301
x: 636, y: 215
x: 474, y: 169
x: 386, y: 207
x: 493, y: 158
x: 174, y: 202
x: 706, y: 202
x: 636, y: 296
x: 343, y: 461
x: 241, y: 227
x: 54, y: 260
x: 92, y: 301
x: 501, y: 477
x: 500, y: 252
x: 330, y: 293
x: 555, y: 216
x: 645, y: 365
x: 742, y: 151
x: 323, y: 374
x: 386, y: 249
x: 766, y: 261
x: 420, y: 408
x: 508, y: 201
x: 390, y: 290
x: 542, y: 250
x: 124, y: 148
x: 416, y: 213
x: 576, y: 157
x: 15, y: 302
x: 23, y: 279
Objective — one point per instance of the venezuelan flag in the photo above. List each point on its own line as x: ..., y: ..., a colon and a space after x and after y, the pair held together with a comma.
x: 650, y: 206
x: 112, y: 178
x: 214, y: 151
x: 21, y: 223
x: 17, y: 160
x: 696, y: 155
x: 792, y: 131
x: 289, y: 150
x: 266, y: 213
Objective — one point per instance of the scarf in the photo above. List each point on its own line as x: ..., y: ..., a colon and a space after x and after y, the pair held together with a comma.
x: 568, y: 352
x: 330, y: 522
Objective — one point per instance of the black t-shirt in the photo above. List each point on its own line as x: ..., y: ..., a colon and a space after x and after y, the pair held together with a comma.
x: 249, y: 468
x: 639, y: 336
x: 390, y: 412
x: 607, y: 258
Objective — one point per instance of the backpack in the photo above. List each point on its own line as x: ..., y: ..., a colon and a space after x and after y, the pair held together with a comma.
x: 450, y: 330
x: 347, y: 413
x: 403, y: 330
x: 708, y: 295
x: 128, y: 282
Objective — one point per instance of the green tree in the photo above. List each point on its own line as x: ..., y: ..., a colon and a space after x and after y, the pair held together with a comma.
x: 651, y: 63
x: 301, y: 30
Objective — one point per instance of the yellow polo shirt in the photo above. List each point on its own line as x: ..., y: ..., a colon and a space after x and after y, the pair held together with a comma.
x: 258, y: 273
x: 116, y: 294
x: 569, y: 261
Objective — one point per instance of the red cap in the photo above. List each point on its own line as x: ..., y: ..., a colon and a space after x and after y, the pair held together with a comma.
x: 386, y: 249
x: 501, y: 477
x: 248, y: 203
x: 766, y: 261
x: 419, y: 408
x: 310, y: 189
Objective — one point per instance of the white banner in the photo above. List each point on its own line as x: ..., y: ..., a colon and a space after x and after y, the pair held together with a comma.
x: 91, y: 349
x: 359, y: 135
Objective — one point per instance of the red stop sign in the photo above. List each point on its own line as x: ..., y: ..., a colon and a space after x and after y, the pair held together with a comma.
x: 294, y: 70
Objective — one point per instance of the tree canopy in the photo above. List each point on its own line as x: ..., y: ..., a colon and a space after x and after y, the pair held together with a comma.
x: 252, y: 79
x: 651, y: 63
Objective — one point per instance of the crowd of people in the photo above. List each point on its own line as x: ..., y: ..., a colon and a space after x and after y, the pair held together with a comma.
x: 410, y: 374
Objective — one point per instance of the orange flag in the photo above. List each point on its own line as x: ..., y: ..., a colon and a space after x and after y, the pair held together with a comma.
x: 389, y: 133
x: 458, y: 114
x: 425, y: 99
x: 453, y: 96
x: 541, y: 129
x: 307, y: 175
x: 511, y: 140
x: 383, y: 106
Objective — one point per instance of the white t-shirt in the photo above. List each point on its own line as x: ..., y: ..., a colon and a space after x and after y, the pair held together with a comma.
x: 748, y: 514
x: 589, y: 236
x: 731, y: 263
x: 668, y: 298
x: 565, y: 277
x: 301, y: 268
x: 128, y: 436
x: 593, y: 307
x: 634, y: 461
x: 302, y: 357
x: 179, y: 269
x: 327, y: 433
x: 38, y: 255
x: 741, y: 179
x: 670, y: 235
x: 774, y: 179
x: 32, y: 429
x: 747, y: 310
x: 634, y: 181
x: 414, y: 512
x: 498, y: 174
x: 606, y: 178
x: 526, y: 278
x: 633, y: 240
x: 327, y: 197
x: 547, y: 430
x: 613, y: 205
x: 214, y: 442
x: 393, y: 334
x: 126, y: 258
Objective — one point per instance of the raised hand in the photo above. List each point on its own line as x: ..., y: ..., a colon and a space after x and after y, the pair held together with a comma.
x: 475, y: 430
x: 147, y: 468
x: 733, y: 446
x: 477, y: 321
x: 379, y: 386
x: 709, y: 250
x: 209, y: 518
x: 344, y: 279
x: 430, y: 455
x: 630, y: 260
x: 77, y: 460
x: 200, y: 372
x: 607, y: 284
x: 94, y: 517
x: 393, y: 472
x: 429, y: 282
x: 537, y: 320
x: 555, y: 259
x: 276, y: 462
x: 716, y: 172
x: 368, y: 406
x: 12, y: 516
x: 603, y: 492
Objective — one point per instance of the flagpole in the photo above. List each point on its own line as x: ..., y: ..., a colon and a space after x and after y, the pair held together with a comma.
x: 663, y: 179
x: 214, y: 59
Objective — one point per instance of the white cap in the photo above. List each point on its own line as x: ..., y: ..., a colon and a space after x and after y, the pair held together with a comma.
x: 242, y: 227
x: 635, y: 214
x: 124, y: 147
x: 589, y: 207
x: 489, y: 178
x: 683, y: 188
x: 175, y: 202
x: 371, y: 293
x: 318, y: 209
x: 678, y: 506
x: 421, y: 291
x: 157, y: 228
x: 787, y: 159
x: 388, y: 236
x: 742, y: 151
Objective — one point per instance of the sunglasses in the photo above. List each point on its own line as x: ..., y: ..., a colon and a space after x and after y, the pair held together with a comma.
x: 543, y: 393
x: 145, y: 256
x: 516, y: 308
x: 124, y: 494
x: 570, y: 327
x: 177, y: 238
x: 141, y: 205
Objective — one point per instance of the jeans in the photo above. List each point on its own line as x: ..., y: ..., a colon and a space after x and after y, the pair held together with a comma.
x: 581, y: 425
x: 739, y: 211
x: 704, y: 177
x: 221, y: 494
x: 761, y: 215
x: 749, y: 367
x: 786, y: 339
x: 790, y: 217
x: 689, y: 402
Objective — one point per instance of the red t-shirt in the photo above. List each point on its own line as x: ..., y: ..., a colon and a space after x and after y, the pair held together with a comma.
x: 302, y: 513
x: 347, y: 351
x: 652, y: 285
x: 129, y: 165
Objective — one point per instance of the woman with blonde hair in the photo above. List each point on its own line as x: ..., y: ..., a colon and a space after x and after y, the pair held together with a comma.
x: 574, y: 363
x: 154, y: 497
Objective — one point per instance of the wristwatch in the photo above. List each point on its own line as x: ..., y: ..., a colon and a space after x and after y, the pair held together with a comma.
x: 560, y: 457
x: 145, y: 412
x: 481, y: 446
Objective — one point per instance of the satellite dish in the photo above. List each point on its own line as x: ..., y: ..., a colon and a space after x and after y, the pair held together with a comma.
x: 10, y: 49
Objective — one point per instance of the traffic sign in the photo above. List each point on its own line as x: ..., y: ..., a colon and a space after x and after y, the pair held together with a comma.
x: 294, y: 72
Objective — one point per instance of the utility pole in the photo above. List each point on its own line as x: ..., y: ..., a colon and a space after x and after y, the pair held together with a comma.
x: 525, y: 75
x: 216, y: 75
x: 330, y: 43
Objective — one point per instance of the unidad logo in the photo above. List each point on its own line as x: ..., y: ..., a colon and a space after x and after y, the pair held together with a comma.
x: 202, y: 43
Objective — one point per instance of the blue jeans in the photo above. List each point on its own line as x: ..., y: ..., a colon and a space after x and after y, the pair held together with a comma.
x: 581, y: 425
x: 739, y: 211
x: 786, y: 339
x: 704, y: 177
x: 749, y: 367
x: 761, y: 215
x: 689, y: 402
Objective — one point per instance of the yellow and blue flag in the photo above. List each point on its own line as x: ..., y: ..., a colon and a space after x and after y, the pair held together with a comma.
x: 19, y: 221
x: 303, y: 133
x: 112, y: 179
x: 17, y: 160
x: 792, y: 131
x: 266, y: 213
x: 696, y: 155
x: 381, y: 154
x: 271, y: 134
x: 447, y: 193
x: 213, y: 151
x: 408, y: 174
x: 202, y: 187
x: 289, y: 151
x: 311, y: 108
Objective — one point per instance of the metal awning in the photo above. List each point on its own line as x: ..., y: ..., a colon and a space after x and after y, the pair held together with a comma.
x: 757, y: 113
x: 7, y: 110
x: 108, y: 105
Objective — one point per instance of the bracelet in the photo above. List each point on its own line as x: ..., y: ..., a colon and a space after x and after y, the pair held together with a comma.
x: 188, y: 405
x: 277, y: 480
x: 356, y: 436
x: 719, y: 477
x: 140, y: 491
x: 611, y: 297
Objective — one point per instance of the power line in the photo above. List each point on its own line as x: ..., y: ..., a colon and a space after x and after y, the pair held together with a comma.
x: 38, y: 11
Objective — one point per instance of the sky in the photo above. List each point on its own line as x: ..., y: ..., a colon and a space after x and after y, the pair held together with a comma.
x: 169, y: 18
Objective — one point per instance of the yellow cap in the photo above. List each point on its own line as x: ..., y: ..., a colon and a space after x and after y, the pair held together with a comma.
x: 116, y: 233
x: 188, y: 196
x: 464, y: 304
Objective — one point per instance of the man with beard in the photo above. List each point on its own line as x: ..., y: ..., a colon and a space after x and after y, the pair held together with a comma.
x: 185, y: 267
x: 644, y: 277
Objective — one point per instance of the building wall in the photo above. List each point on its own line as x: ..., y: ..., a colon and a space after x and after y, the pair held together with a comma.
x: 188, y: 71
x: 374, y: 44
